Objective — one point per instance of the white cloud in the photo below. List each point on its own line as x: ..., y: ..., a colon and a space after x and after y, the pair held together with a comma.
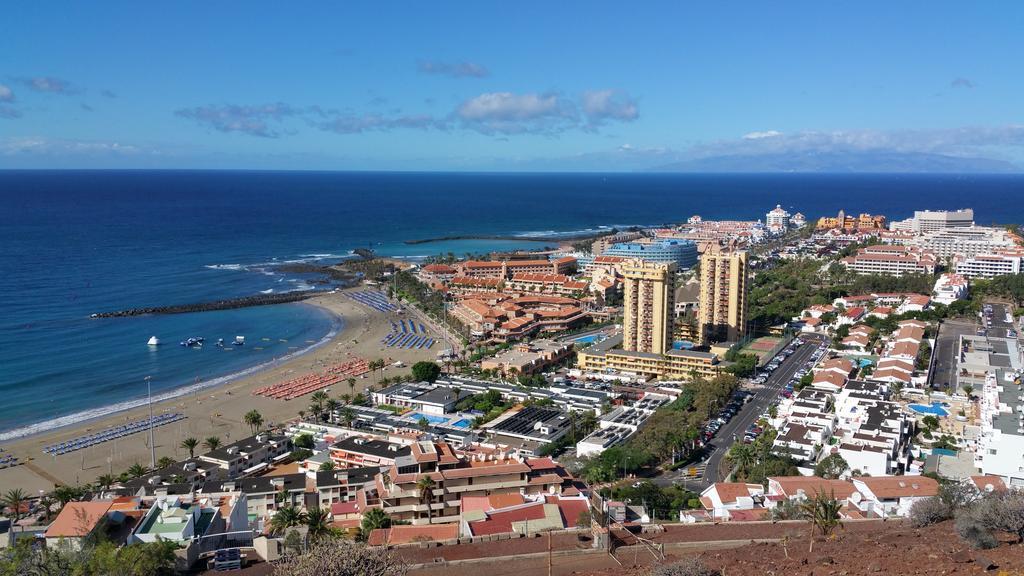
x: 6, y: 94
x: 760, y: 135
x: 601, y: 105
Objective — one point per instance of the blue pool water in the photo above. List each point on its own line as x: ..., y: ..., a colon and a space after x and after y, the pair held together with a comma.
x: 462, y: 423
x: 682, y: 345
x: 432, y: 419
x: 588, y: 339
x: 865, y: 362
x: 935, y: 409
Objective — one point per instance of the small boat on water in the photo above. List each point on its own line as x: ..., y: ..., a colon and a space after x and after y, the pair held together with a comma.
x: 192, y: 342
x: 239, y: 340
x: 220, y: 342
x: 153, y: 341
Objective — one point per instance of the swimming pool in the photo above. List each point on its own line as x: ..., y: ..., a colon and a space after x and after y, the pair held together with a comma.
x: 934, y: 409
x: 588, y: 339
x: 432, y: 419
x: 462, y: 423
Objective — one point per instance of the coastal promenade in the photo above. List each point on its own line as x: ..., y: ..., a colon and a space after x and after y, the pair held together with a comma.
x: 216, y: 411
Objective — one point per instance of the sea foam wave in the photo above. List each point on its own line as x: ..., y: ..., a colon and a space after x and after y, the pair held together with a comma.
x: 92, y: 414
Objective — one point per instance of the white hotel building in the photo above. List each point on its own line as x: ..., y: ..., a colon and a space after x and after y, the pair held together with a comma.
x: 989, y: 265
x: 965, y: 242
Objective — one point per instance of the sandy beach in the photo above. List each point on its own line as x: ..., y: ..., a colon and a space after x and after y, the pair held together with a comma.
x: 215, y: 411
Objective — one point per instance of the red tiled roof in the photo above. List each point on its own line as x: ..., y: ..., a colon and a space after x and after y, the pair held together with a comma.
x: 890, y: 487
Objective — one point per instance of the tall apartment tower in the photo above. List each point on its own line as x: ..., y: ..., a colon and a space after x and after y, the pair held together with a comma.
x: 722, y: 315
x: 649, y: 306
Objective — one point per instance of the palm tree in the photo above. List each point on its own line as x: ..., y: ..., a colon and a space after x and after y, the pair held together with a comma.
x: 46, y: 503
x: 190, y: 445
x: 105, y: 481
x: 136, y: 470
x: 254, y: 419
x: 373, y: 519
x: 212, y: 443
x: 327, y: 466
x: 286, y: 517
x: 318, y: 398
x: 426, y: 487
x: 164, y: 462
x: 317, y: 525
x: 65, y: 494
x: 742, y: 455
x: 822, y: 512
x: 351, y: 384
x: 302, y: 414
x: 331, y: 405
x: 348, y: 416
x: 14, y: 499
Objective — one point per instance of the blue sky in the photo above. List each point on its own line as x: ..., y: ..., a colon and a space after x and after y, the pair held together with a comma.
x: 503, y: 86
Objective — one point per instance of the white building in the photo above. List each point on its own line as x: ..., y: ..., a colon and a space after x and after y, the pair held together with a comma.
x: 966, y: 242
x: 949, y: 288
x: 777, y: 220
x: 893, y: 495
x: 891, y: 260
x: 989, y: 265
x: 925, y: 221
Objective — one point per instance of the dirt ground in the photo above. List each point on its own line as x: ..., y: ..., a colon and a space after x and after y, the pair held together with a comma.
x: 858, y: 549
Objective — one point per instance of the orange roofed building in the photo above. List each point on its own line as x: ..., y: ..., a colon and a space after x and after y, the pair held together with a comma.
x: 505, y: 269
x: 463, y: 478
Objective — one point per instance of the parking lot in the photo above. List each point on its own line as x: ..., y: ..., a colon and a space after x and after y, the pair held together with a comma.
x: 734, y: 429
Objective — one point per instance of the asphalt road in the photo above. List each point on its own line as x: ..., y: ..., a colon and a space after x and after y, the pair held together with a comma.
x: 944, y: 370
x: 732, y: 431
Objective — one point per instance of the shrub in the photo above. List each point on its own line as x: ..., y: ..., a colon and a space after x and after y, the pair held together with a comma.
x: 1002, y: 512
x: 342, y: 558
x: 688, y: 567
x: 929, y: 511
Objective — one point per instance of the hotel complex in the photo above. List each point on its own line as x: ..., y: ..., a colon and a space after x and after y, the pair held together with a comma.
x: 682, y: 253
x: 722, y: 310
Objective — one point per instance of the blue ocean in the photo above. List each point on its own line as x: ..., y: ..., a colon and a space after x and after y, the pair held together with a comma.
x: 80, y: 242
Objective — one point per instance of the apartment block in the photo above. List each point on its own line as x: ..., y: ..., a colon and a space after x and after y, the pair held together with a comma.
x: 649, y: 306
x: 722, y: 314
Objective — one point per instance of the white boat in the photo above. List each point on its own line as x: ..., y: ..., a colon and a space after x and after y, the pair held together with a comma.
x: 239, y: 340
x: 153, y: 341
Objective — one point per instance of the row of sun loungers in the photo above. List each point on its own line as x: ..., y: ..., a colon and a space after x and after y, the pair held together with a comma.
x: 7, y: 460
x: 111, y: 433
x: 374, y: 300
x: 406, y: 340
x: 303, y: 385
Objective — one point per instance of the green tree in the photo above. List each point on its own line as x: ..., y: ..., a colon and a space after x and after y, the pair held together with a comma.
x: 318, y: 525
x: 425, y: 485
x: 190, y: 445
x: 14, y: 499
x: 254, y: 419
x: 164, y: 462
x: 822, y: 512
x: 348, y: 416
x: 425, y: 371
x: 304, y: 440
x: 423, y: 424
x: 136, y: 470
x: 326, y: 466
x: 373, y: 519
x: 351, y: 385
x: 211, y: 443
x: 831, y: 467
x: 284, y: 518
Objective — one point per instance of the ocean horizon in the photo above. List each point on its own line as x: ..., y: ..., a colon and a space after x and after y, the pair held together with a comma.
x: 78, y: 242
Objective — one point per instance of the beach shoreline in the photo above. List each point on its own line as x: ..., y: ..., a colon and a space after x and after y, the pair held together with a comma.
x: 85, y: 417
x: 213, y: 410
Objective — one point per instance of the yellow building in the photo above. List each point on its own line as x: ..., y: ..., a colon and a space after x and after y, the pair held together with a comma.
x: 672, y: 365
x: 649, y: 300
x: 722, y: 312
